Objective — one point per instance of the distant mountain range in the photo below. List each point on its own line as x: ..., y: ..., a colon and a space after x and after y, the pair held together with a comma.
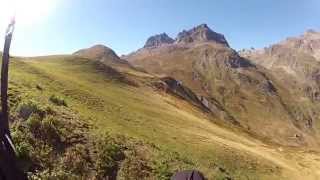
x: 274, y: 106
x: 295, y: 61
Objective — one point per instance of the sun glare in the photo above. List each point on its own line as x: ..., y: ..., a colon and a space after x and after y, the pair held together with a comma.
x: 27, y: 12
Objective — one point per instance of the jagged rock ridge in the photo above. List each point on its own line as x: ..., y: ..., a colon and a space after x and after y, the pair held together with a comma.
x: 201, y: 33
x: 198, y: 34
x: 158, y: 40
x: 295, y: 61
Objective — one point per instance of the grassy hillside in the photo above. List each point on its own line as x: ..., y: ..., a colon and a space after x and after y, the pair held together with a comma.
x: 75, y: 118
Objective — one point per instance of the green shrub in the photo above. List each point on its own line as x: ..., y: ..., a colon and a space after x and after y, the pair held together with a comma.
x: 50, y: 130
x: 134, y: 167
x: 34, y: 123
x: 58, y: 100
x: 26, y: 108
x: 55, y: 174
x: 45, y: 128
x: 162, y: 170
x: 77, y: 160
x: 109, y: 154
x: 23, y: 150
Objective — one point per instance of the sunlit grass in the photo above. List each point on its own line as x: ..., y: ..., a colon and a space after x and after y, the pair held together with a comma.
x: 140, y: 112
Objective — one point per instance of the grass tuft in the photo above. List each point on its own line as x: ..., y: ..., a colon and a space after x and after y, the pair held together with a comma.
x: 57, y: 100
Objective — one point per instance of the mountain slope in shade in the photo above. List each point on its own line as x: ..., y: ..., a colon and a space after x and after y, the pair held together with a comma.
x: 233, y: 88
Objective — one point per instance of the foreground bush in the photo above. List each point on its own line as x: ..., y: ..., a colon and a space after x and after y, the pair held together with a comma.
x: 58, y: 100
x: 52, y: 142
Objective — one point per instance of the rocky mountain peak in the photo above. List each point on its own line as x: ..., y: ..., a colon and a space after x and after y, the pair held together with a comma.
x: 312, y: 34
x: 311, y: 31
x: 201, y: 33
x: 158, y: 40
x: 308, y: 42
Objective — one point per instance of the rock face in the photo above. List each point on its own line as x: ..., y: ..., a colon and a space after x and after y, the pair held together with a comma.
x: 201, y: 33
x: 232, y: 87
x: 309, y: 43
x: 198, y: 34
x: 296, y: 64
x: 296, y: 61
x: 158, y: 40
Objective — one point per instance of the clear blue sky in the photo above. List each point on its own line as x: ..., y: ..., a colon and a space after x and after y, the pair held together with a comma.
x: 124, y: 25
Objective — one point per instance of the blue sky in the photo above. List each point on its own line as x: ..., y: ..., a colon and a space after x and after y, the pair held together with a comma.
x: 124, y: 25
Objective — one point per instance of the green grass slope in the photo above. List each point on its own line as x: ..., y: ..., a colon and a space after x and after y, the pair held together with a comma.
x: 75, y: 118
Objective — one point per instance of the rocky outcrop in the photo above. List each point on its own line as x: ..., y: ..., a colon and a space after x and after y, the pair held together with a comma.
x: 201, y: 33
x: 158, y: 40
x: 177, y: 88
x: 295, y: 60
x: 198, y: 34
x: 306, y: 44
